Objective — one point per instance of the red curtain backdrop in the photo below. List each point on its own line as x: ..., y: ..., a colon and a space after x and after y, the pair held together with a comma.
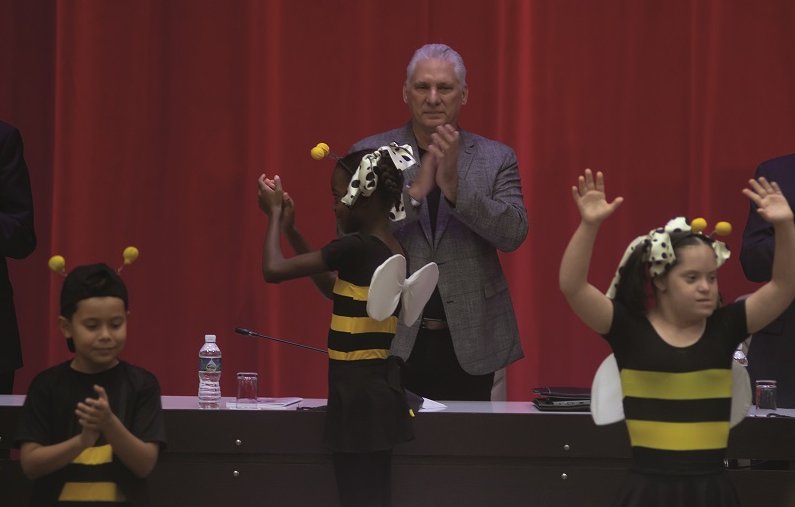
x: 147, y: 123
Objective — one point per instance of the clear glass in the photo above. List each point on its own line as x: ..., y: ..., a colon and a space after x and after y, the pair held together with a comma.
x: 765, y: 397
x: 247, y: 385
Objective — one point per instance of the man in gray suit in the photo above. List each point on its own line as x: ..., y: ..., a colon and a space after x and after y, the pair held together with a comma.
x: 466, y: 203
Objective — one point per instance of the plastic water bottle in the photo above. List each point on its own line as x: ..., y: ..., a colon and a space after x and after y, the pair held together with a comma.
x: 209, y: 373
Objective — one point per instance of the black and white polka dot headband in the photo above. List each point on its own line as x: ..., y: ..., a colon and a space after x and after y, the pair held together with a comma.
x: 659, y: 253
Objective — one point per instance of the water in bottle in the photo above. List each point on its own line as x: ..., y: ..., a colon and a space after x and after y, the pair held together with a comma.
x: 209, y: 373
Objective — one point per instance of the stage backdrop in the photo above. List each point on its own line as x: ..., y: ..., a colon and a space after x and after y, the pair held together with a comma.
x: 147, y: 123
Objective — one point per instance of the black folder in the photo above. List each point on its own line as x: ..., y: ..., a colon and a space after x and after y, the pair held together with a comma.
x: 563, y: 399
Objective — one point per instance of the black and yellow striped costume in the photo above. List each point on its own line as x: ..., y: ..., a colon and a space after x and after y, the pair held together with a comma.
x: 367, y: 408
x: 89, y: 478
x: 677, y: 403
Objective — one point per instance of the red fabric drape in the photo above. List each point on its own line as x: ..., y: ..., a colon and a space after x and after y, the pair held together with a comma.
x: 147, y: 123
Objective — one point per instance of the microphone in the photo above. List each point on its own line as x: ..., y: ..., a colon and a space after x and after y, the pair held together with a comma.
x: 249, y: 332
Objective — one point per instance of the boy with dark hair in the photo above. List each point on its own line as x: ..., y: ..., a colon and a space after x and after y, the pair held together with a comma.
x: 92, y: 427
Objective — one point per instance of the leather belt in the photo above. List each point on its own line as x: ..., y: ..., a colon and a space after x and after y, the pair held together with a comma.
x: 433, y: 324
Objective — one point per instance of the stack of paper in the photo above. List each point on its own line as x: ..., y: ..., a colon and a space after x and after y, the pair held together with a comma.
x: 266, y: 404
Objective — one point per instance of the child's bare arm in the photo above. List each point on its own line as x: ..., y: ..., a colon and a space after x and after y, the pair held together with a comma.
x: 770, y: 300
x: 275, y: 268
x: 591, y: 305
x: 95, y: 414
x: 323, y: 281
x: 39, y: 460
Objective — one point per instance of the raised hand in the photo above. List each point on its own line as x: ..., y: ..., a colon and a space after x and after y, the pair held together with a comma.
x: 287, y: 220
x: 444, y: 147
x: 94, y: 414
x: 426, y: 177
x: 269, y: 194
x: 590, y: 197
x: 770, y: 201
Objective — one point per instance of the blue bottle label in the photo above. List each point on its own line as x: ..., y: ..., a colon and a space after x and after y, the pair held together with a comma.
x: 210, y: 364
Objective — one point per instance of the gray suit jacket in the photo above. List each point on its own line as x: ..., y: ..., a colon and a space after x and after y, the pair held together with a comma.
x: 489, y: 215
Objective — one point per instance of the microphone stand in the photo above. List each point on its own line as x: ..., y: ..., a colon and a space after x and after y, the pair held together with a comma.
x: 249, y: 332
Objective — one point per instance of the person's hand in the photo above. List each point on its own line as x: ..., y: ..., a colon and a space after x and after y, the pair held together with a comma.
x: 589, y: 194
x: 94, y: 414
x: 88, y: 437
x: 271, y: 183
x: 770, y: 201
x: 288, y: 207
x: 444, y: 146
x: 269, y: 194
x: 426, y: 177
x: 287, y: 220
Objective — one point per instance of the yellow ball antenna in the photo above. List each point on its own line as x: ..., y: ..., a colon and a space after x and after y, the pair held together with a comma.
x: 321, y: 151
x: 698, y: 225
x: 57, y: 263
x: 130, y: 255
x: 723, y: 228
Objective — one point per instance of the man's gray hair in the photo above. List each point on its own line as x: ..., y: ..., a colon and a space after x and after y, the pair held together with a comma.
x: 438, y: 52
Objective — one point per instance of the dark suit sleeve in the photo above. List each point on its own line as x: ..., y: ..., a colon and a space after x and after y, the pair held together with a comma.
x: 756, y: 255
x: 496, y: 211
x: 17, y: 236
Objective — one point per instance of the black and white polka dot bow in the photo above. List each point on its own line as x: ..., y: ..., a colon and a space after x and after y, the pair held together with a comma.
x: 659, y: 251
x: 364, y: 180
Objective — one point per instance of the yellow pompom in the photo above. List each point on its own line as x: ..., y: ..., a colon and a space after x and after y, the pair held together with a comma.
x: 130, y: 254
x: 57, y: 263
x: 317, y: 153
x: 698, y: 224
x: 723, y: 228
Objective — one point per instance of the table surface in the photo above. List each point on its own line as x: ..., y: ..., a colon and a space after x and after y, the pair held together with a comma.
x: 458, y: 407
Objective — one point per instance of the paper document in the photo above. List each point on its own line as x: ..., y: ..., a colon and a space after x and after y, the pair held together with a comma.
x: 266, y: 404
x: 429, y: 405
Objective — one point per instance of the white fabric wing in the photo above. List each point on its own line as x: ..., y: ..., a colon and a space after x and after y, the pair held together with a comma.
x: 606, y: 395
x: 741, y: 393
x: 384, y: 292
x: 389, y: 286
x: 417, y: 290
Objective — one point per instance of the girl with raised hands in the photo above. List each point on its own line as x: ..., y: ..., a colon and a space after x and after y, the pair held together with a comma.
x: 673, y: 341
x: 367, y: 412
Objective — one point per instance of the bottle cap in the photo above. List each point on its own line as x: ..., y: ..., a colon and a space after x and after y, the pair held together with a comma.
x: 209, y: 338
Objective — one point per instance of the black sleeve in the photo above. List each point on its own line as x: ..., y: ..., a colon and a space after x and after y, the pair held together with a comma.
x: 17, y: 236
x: 756, y: 254
x: 613, y: 335
x: 734, y: 321
x: 342, y: 253
x: 148, y: 423
x: 36, y: 420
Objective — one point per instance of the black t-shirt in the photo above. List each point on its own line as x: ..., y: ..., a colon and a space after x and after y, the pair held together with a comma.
x: 48, y: 417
